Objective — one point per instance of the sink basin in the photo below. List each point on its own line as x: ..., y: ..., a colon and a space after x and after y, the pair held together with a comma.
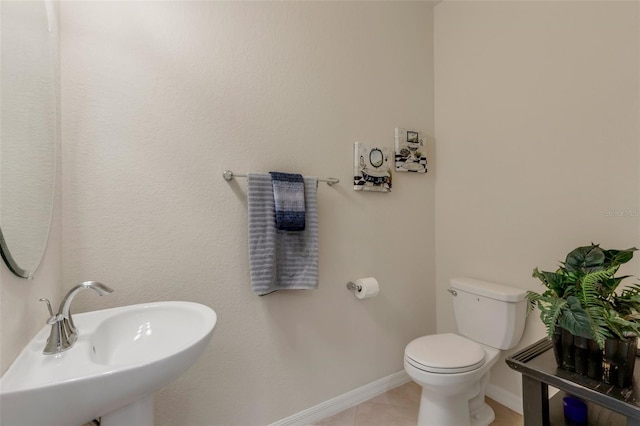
x: 121, y: 357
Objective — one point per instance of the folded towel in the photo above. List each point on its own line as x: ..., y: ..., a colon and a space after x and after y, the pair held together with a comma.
x: 280, y: 260
x: 288, y: 194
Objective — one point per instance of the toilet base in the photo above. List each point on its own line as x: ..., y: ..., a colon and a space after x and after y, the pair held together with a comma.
x: 483, y: 417
x: 447, y: 411
x: 436, y: 411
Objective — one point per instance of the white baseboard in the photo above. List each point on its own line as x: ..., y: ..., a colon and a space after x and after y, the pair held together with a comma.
x: 357, y: 396
x: 504, y: 397
x: 345, y: 401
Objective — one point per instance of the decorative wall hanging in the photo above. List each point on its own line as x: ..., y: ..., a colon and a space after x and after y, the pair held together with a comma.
x: 371, y: 168
x: 410, y: 151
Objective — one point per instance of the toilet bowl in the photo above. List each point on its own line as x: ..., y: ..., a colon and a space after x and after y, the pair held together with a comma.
x: 453, y: 369
x: 452, y: 372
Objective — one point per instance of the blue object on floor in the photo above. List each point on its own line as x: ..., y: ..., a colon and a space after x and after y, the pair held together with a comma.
x: 575, y: 411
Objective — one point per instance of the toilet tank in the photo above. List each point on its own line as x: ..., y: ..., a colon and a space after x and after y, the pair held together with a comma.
x: 491, y: 314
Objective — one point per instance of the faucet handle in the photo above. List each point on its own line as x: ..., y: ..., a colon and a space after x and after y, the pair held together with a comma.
x: 55, y: 319
x: 42, y: 299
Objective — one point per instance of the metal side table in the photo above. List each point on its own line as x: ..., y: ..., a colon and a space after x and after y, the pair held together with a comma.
x: 607, y: 404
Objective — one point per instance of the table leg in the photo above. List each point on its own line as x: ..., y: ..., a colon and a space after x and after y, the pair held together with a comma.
x: 633, y: 422
x: 535, y: 402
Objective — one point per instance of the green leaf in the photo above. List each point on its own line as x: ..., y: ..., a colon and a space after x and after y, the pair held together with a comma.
x: 611, y: 284
x: 582, y: 258
x: 599, y: 324
x: 555, y: 281
x: 550, y: 307
x: 621, y: 326
x: 618, y: 257
x: 591, y: 284
x: 576, y: 320
x: 532, y: 298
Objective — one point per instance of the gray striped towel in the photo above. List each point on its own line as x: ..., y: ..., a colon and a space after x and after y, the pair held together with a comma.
x: 281, y: 260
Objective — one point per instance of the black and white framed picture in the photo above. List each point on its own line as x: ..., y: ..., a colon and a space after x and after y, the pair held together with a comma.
x: 410, y: 151
x: 371, y: 168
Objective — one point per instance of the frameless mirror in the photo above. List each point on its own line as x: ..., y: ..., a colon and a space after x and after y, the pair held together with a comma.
x: 376, y: 158
x: 28, y: 131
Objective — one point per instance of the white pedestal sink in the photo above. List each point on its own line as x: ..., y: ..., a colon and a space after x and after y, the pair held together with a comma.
x: 121, y: 357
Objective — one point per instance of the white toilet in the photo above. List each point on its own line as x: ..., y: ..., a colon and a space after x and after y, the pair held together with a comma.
x: 453, y: 369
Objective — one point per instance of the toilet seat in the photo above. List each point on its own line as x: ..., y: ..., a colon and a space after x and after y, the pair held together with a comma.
x: 445, y: 354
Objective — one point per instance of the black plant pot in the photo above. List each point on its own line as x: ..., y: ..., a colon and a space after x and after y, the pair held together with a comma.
x: 581, y: 351
x: 557, y: 345
x: 568, y: 351
x: 619, y: 361
x: 614, y: 365
x: 594, y: 366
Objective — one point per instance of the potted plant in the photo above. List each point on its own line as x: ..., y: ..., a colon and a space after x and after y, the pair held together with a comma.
x: 585, y: 316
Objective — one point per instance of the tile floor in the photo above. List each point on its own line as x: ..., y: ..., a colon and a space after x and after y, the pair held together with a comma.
x: 399, y: 407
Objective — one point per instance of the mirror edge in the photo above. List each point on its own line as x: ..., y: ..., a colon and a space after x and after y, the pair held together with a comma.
x: 9, y: 260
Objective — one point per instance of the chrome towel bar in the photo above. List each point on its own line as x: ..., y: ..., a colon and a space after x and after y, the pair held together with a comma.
x: 229, y: 175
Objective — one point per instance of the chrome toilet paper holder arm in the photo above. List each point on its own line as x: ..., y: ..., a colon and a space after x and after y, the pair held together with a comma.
x: 352, y: 286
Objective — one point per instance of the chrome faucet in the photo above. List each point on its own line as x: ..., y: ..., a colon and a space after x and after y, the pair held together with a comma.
x: 63, y: 331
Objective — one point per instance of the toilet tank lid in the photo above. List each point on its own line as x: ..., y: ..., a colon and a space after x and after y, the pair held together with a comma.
x: 487, y: 289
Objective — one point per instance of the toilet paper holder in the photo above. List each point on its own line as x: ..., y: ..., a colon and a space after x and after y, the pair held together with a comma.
x: 352, y: 286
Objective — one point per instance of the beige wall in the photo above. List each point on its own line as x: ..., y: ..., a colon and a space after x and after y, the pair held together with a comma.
x: 537, y: 134
x: 161, y: 97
